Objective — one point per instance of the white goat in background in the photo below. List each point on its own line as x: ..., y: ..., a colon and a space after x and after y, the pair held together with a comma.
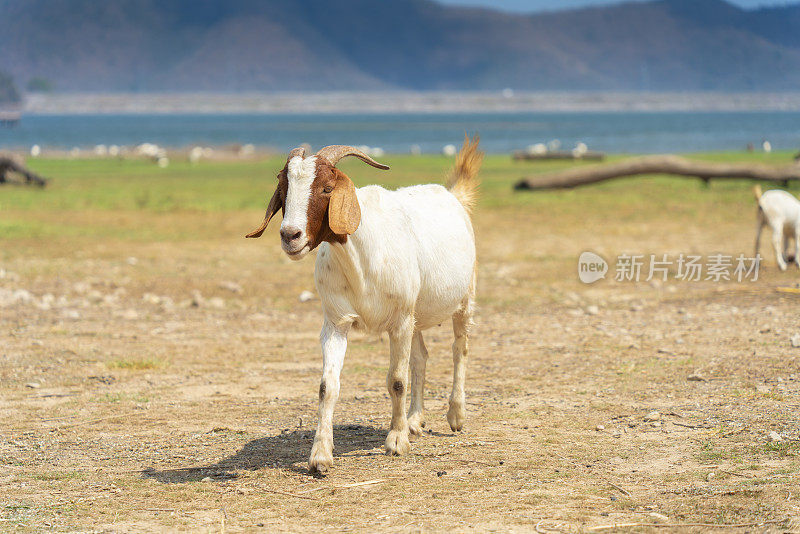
x: 396, y: 261
x: 781, y: 212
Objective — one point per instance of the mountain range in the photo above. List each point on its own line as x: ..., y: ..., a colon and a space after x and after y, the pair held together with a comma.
x: 319, y: 45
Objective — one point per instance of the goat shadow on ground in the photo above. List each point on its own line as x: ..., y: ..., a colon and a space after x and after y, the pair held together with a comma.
x: 282, y: 451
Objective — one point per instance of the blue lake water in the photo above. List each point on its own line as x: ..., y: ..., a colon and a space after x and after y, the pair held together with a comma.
x: 620, y: 132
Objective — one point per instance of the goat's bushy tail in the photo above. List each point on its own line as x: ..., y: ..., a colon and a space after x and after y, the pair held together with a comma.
x: 463, y: 179
x: 757, y: 192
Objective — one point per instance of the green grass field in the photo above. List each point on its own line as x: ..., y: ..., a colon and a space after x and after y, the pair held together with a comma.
x: 81, y: 187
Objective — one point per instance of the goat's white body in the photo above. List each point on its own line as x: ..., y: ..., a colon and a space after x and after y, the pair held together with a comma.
x: 394, y: 261
x: 409, y: 266
x: 781, y: 212
x: 413, y: 254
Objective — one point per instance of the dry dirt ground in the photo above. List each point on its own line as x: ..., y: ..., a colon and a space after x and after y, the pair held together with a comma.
x: 171, y: 385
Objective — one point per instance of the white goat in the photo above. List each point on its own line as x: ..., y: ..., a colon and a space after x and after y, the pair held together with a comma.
x: 396, y: 261
x: 781, y: 211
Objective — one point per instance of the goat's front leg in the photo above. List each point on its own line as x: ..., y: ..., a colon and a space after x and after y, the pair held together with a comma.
x: 397, y: 383
x: 334, y: 346
x: 759, y: 228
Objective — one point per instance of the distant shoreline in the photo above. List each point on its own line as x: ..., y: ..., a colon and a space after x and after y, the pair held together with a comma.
x: 403, y: 102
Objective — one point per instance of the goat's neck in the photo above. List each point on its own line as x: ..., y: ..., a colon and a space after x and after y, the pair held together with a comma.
x: 349, y: 257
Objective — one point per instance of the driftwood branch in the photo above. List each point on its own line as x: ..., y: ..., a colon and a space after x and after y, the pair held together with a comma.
x: 8, y: 165
x: 666, y: 164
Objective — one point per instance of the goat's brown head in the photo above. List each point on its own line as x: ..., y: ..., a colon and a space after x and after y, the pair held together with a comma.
x: 318, y: 200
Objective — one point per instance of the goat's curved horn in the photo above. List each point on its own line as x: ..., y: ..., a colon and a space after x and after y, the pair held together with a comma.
x: 299, y: 151
x: 334, y: 153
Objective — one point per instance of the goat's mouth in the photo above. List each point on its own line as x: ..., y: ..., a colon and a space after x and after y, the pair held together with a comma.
x: 299, y: 253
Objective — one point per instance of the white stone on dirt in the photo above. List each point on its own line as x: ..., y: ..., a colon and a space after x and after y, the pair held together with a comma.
x: 774, y: 436
x: 592, y: 310
x: 652, y: 416
x: 600, y: 427
x: 132, y: 261
x: 233, y: 287
x: 306, y: 296
x: 10, y: 297
x: 46, y: 302
x: 151, y: 298
x: 795, y: 340
x: 8, y: 275
x: 130, y: 314
x: 81, y: 287
x: 70, y: 314
x: 215, y: 302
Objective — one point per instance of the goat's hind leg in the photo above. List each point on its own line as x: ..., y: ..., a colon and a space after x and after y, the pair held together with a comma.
x: 777, y: 242
x: 419, y: 359
x: 397, y: 384
x: 797, y: 246
x: 462, y: 321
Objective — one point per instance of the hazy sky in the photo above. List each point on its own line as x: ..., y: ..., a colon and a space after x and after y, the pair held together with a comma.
x: 538, y: 5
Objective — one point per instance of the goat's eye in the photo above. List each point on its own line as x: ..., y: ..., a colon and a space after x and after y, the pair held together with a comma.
x: 327, y: 188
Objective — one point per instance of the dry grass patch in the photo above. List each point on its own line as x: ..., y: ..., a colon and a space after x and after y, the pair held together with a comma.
x: 117, y: 437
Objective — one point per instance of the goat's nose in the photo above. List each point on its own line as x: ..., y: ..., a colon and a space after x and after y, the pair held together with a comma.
x: 290, y: 233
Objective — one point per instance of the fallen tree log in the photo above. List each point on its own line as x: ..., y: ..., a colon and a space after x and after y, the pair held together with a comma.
x: 8, y: 165
x: 666, y: 164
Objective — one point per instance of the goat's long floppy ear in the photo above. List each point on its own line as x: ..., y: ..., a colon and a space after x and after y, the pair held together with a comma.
x: 344, y: 213
x: 274, y: 205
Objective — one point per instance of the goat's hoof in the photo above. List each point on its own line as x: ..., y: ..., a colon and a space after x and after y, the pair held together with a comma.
x: 415, y: 424
x: 456, y: 416
x: 321, y: 459
x: 397, y: 443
